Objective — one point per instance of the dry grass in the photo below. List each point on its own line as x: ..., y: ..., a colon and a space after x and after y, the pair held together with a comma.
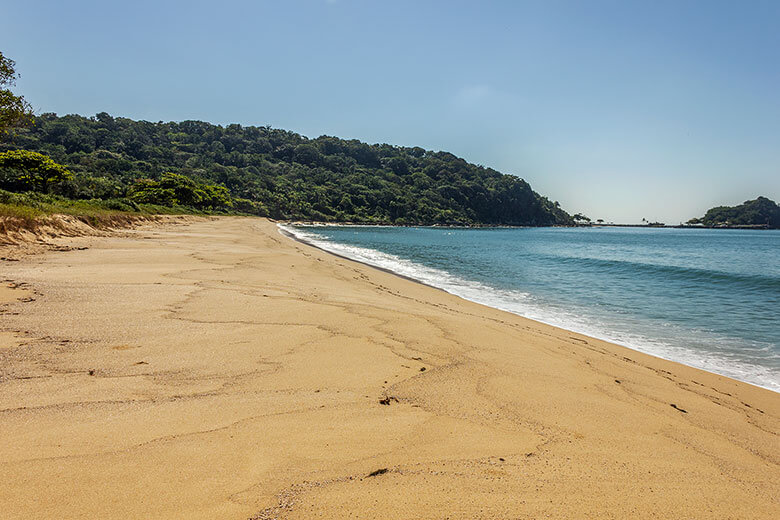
x: 29, y: 217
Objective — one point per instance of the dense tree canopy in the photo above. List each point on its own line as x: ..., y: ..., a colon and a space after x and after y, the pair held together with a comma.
x: 282, y: 174
x: 177, y: 190
x: 758, y: 212
x: 14, y: 110
x: 23, y: 170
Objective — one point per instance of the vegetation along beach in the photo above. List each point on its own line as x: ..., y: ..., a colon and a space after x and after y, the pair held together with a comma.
x: 389, y: 260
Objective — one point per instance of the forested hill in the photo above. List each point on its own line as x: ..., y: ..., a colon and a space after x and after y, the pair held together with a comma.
x: 759, y: 212
x: 284, y: 175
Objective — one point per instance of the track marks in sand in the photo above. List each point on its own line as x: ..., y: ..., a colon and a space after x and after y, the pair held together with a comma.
x: 261, y: 386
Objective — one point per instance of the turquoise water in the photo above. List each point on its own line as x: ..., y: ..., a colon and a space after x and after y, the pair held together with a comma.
x: 706, y: 298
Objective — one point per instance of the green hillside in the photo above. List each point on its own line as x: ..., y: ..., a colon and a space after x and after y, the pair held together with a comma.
x: 280, y: 174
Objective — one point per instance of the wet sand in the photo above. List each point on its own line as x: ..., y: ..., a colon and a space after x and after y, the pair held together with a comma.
x: 221, y: 370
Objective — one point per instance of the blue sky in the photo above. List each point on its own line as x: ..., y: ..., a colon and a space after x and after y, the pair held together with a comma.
x: 621, y: 110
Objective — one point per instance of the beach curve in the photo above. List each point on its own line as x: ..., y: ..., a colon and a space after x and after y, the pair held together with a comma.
x: 220, y: 370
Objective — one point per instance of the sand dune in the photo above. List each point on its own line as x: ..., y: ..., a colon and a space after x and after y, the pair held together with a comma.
x: 221, y: 370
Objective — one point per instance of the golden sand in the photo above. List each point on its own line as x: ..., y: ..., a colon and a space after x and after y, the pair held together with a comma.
x: 220, y: 370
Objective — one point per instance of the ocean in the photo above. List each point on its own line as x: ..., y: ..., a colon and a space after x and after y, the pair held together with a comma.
x: 706, y: 298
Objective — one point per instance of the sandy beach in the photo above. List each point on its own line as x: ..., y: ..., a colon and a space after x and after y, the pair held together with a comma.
x: 219, y: 369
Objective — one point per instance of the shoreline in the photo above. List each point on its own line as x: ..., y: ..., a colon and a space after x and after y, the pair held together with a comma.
x: 300, y: 240
x: 583, y: 331
x: 313, y: 223
x: 219, y: 370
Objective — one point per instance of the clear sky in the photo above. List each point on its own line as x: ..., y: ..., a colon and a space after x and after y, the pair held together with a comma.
x: 622, y: 110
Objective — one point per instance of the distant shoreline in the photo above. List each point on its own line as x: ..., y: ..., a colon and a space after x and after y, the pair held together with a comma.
x: 680, y: 226
x: 509, y: 226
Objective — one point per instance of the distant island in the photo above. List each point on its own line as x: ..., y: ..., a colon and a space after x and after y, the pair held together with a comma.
x: 119, y: 163
x: 759, y: 213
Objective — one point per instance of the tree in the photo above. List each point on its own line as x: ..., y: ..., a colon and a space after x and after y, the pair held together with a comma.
x: 307, y: 154
x: 31, y: 171
x: 174, y: 189
x: 398, y: 165
x: 14, y: 110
